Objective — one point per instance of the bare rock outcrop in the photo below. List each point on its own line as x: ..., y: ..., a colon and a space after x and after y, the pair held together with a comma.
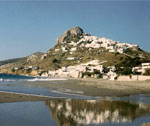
x: 34, y: 57
x: 74, y: 32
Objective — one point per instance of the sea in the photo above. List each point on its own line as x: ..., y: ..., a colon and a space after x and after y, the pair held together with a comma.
x: 68, y: 109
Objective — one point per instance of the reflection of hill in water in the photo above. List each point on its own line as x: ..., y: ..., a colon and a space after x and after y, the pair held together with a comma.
x: 79, y: 112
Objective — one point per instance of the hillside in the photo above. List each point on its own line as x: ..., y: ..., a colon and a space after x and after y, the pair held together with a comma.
x: 10, y: 61
x: 75, y: 47
x: 82, y: 48
x: 8, y: 66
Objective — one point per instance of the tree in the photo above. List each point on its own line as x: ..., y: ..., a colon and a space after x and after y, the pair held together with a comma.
x: 13, y: 70
x: 124, y: 70
x: 54, y: 60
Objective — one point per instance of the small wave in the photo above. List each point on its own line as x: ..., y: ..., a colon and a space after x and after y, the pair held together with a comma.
x: 31, y: 80
x: 1, y: 79
x: 45, y: 79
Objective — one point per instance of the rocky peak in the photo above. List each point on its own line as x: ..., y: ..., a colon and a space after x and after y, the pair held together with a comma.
x: 69, y: 34
x: 76, y: 31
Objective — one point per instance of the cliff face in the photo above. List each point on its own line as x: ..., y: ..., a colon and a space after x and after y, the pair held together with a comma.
x: 75, y: 47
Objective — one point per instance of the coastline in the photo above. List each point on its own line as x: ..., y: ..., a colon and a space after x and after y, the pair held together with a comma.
x: 99, y: 87
x: 88, y: 87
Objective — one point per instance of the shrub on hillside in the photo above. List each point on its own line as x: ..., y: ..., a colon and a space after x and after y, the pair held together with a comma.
x: 147, y: 72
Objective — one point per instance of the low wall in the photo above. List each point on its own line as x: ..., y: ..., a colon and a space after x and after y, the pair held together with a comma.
x: 133, y: 78
x: 143, y: 78
x: 124, y: 78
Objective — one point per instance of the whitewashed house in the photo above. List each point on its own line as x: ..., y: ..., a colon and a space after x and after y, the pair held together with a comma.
x: 137, y: 69
x: 70, y: 58
x: 111, y: 75
x: 73, y: 49
x: 145, y: 66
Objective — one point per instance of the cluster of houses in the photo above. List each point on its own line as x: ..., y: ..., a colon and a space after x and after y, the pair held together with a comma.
x: 95, y: 69
x: 90, y: 69
x: 77, y: 70
x: 97, y: 42
x: 108, y: 44
x: 141, y: 69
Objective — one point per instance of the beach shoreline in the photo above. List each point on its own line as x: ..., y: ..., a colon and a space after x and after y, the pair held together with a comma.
x: 117, y: 88
x: 86, y: 87
x: 8, y: 97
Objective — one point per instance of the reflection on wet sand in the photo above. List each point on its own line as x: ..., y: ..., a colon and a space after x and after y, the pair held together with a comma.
x: 84, y: 112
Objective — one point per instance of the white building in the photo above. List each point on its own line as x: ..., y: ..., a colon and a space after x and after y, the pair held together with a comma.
x: 64, y: 49
x: 111, y: 75
x: 70, y: 58
x: 137, y: 69
x: 145, y: 66
x: 57, y: 50
x: 73, y: 49
x: 77, y: 70
x: 72, y: 43
x: 97, y: 42
x: 141, y: 69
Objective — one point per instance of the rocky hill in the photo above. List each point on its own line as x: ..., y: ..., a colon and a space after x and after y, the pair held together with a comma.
x: 9, y: 66
x: 75, y: 47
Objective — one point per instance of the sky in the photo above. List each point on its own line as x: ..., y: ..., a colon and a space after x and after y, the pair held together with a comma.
x: 32, y: 26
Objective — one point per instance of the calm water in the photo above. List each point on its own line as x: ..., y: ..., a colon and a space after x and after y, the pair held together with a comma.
x: 20, y: 84
x: 67, y: 112
x: 75, y: 110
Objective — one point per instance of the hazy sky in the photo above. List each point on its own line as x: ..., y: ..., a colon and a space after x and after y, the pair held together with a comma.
x: 28, y: 27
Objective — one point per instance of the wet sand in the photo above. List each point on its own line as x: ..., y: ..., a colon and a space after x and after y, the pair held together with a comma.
x: 11, y: 97
x: 97, y: 87
x: 89, y: 87
x: 117, y: 88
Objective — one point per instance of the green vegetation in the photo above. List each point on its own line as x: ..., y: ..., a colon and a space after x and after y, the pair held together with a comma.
x: 55, y: 60
x: 13, y: 70
x: 125, y: 71
x: 96, y: 73
x: 126, y: 65
x: 147, y: 72
x: 105, y: 69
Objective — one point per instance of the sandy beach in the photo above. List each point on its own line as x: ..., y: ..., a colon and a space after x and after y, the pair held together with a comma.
x: 6, y: 97
x: 117, y: 88
x: 89, y: 87
x: 98, y: 87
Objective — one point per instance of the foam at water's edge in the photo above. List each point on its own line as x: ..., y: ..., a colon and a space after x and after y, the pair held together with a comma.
x: 45, y: 79
x: 32, y: 80
x: 1, y: 79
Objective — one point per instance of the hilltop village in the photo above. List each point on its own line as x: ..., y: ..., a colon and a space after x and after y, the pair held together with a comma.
x: 80, y: 55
